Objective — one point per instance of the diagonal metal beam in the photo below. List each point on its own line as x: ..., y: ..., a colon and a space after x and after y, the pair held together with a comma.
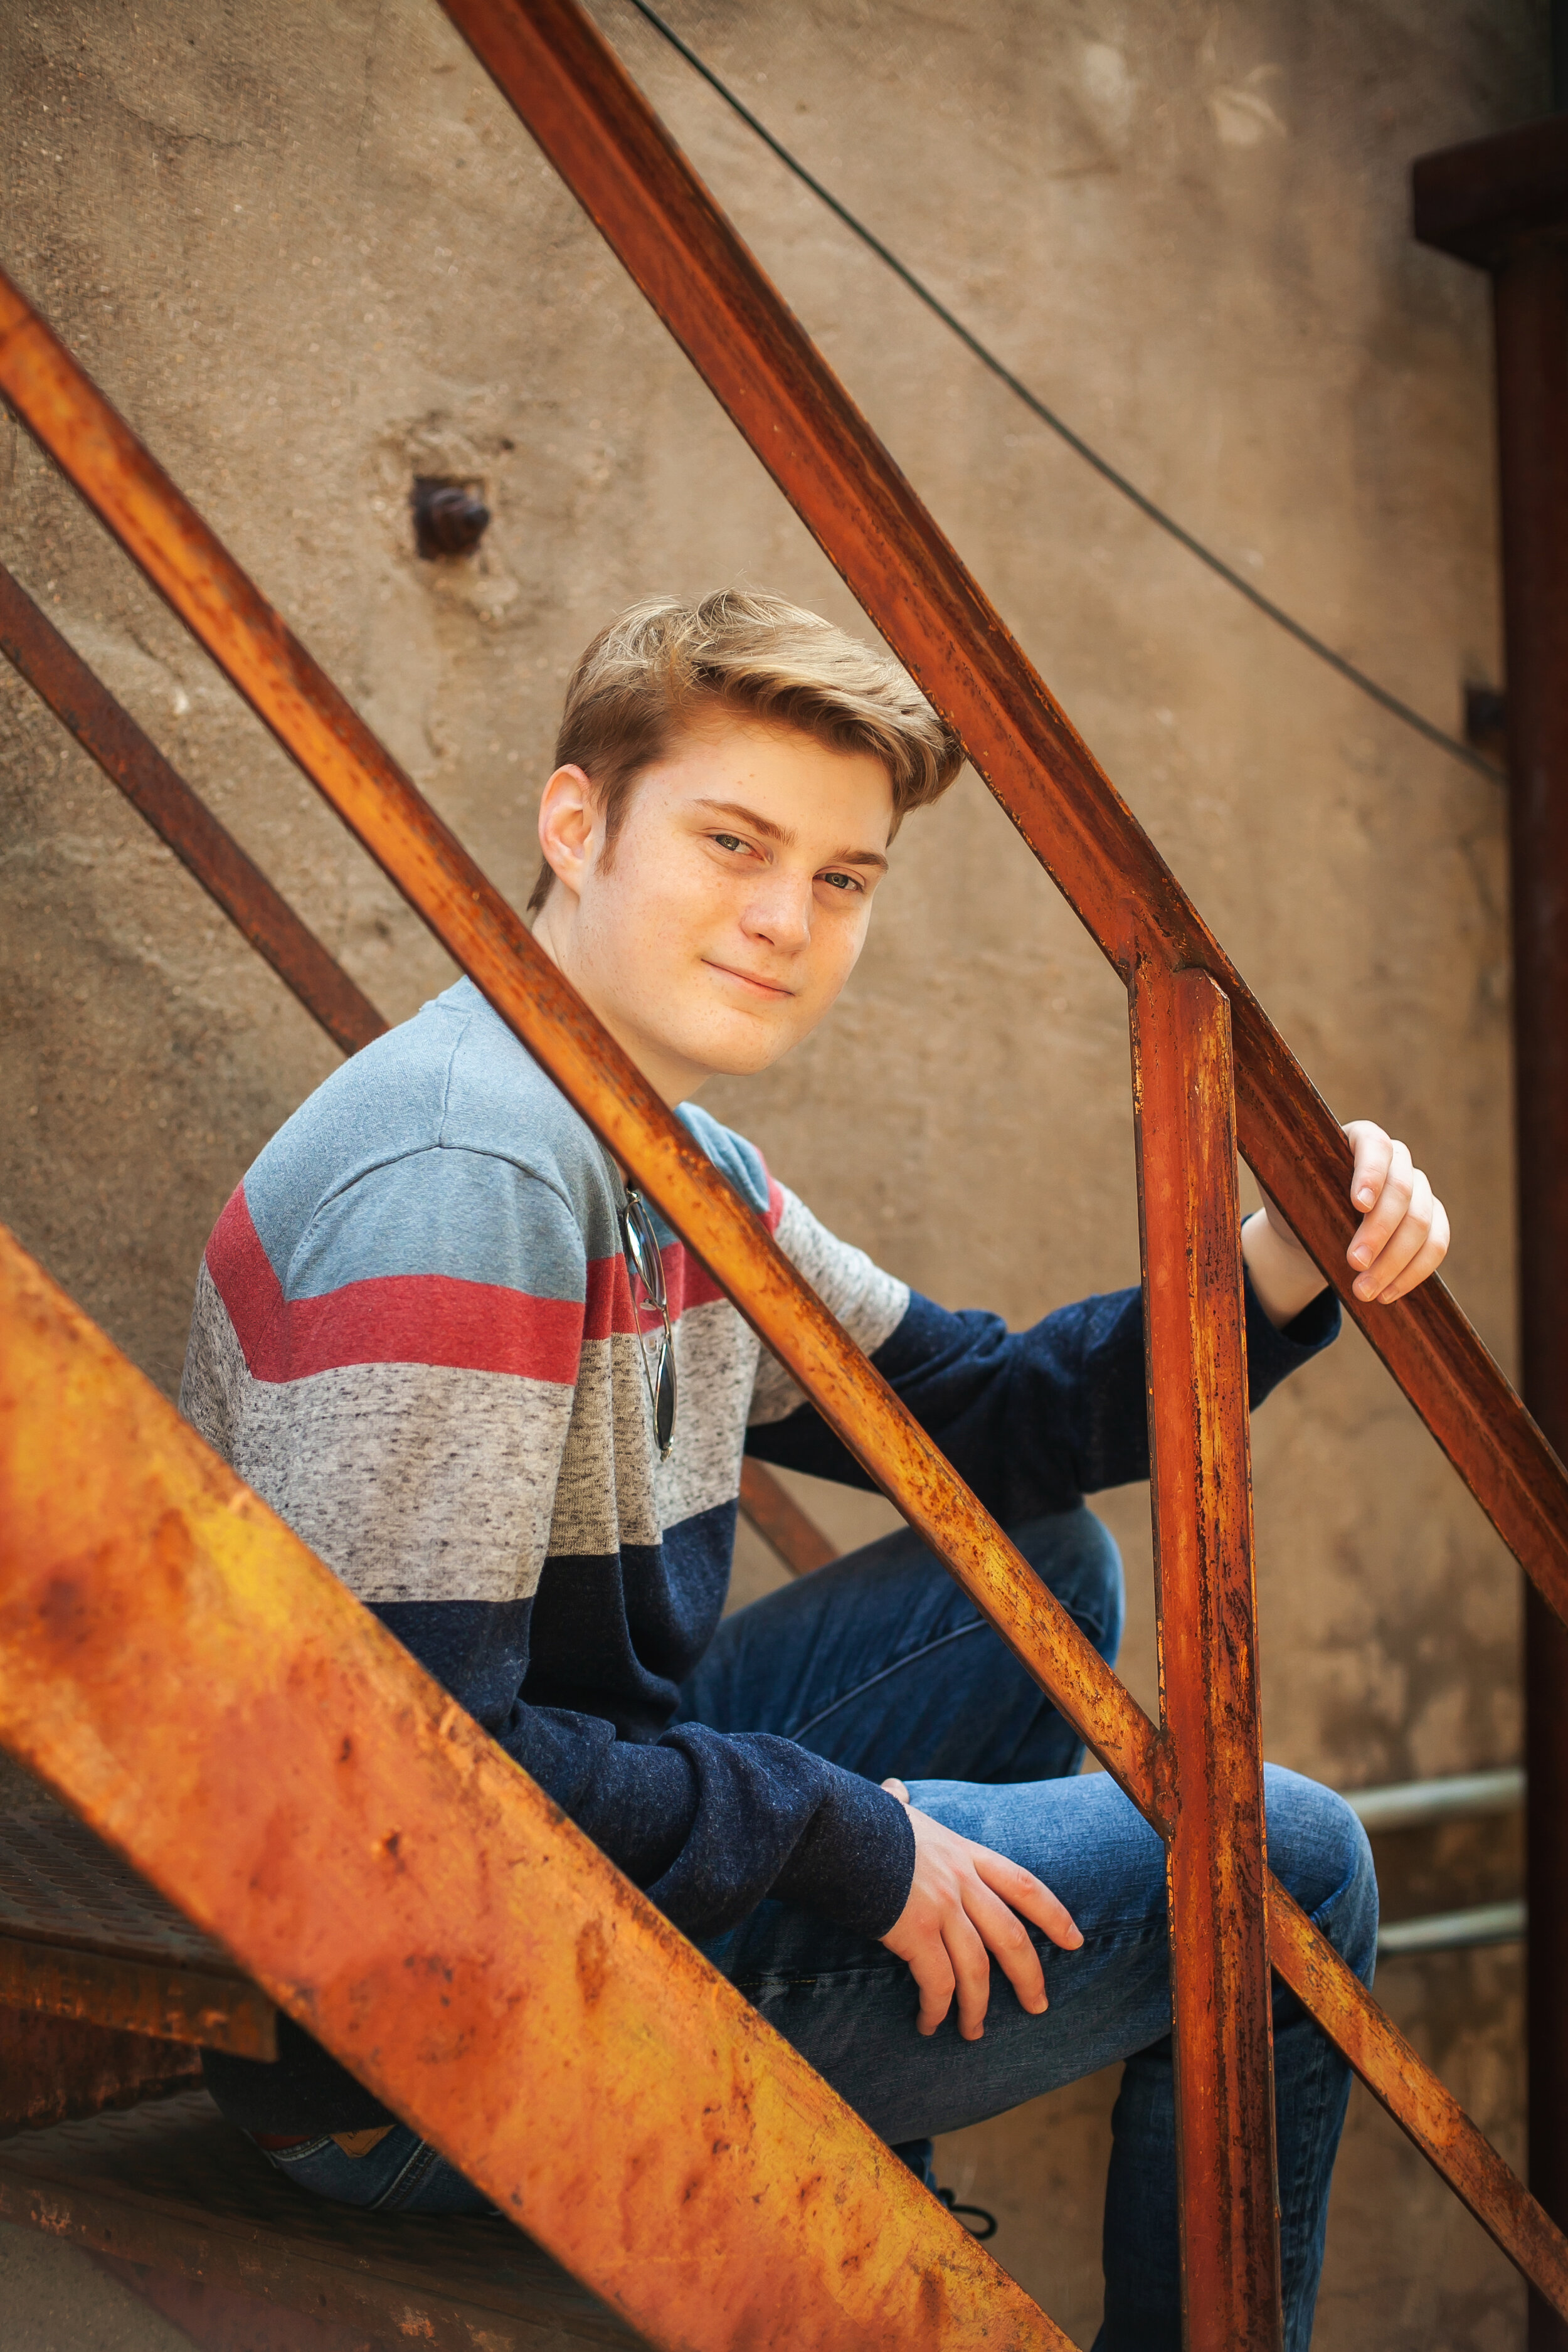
x: 185, y: 561
x: 81, y: 702
x: 571, y: 91
x: 412, y: 1898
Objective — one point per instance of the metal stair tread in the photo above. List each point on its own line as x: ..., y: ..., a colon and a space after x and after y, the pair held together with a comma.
x: 172, y: 2185
x: 60, y: 1884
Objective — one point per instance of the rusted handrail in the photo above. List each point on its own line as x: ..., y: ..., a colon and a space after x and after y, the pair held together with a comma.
x: 202, y: 583
x: 81, y: 702
x: 571, y: 91
x: 415, y: 1900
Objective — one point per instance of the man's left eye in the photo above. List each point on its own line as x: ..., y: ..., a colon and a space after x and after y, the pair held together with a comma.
x: 728, y: 841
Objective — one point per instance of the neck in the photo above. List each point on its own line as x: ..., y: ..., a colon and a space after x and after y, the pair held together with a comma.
x: 672, y: 1078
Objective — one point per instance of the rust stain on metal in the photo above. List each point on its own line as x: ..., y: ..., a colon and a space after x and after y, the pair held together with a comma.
x: 81, y: 702
x: 137, y: 1996
x: 55, y: 2070
x: 593, y: 1960
x: 501, y: 1906
x: 1202, y: 1491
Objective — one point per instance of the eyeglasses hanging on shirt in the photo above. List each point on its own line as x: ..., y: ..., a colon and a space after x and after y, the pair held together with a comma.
x: 647, y: 1267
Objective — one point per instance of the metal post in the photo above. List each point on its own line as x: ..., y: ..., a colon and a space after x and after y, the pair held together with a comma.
x: 1530, y: 316
x: 1503, y: 203
x: 1185, y: 1100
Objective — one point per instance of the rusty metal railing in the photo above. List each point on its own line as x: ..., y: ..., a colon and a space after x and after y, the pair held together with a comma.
x: 159, y: 794
x: 590, y: 119
x: 1197, y: 1777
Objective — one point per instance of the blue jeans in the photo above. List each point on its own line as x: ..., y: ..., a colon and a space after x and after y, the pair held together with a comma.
x: 881, y: 1663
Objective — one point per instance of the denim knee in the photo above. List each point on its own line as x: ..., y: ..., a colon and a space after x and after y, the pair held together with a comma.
x: 1075, y: 1554
x: 1319, y: 1850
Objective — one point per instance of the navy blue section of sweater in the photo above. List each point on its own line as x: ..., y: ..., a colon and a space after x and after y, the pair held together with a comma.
x: 580, y: 1683
x: 1034, y: 1420
x: 619, y: 1636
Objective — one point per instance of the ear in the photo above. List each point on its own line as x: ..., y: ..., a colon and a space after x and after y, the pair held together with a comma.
x: 570, y: 827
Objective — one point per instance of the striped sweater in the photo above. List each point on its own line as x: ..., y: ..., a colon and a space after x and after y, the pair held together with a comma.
x: 414, y: 1336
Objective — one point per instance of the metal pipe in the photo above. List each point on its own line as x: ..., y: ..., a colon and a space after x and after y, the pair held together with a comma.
x: 1453, y: 1931
x: 1463, y: 1796
x: 1418, y: 1804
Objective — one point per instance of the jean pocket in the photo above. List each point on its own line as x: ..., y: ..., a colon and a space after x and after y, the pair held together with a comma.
x: 321, y: 2168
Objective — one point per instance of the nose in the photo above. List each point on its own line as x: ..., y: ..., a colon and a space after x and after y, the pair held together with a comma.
x: 778, y: 913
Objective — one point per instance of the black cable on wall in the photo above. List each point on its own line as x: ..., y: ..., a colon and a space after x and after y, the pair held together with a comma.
x: 1347, y: 669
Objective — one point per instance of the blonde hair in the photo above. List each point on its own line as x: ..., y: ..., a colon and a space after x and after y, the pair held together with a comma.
x: 661, y: 664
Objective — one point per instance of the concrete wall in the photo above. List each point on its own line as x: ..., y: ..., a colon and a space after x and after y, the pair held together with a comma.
x: 309, y: 254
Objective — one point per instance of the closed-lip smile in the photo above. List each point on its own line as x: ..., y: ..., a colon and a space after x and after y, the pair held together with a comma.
x: 732, y: 972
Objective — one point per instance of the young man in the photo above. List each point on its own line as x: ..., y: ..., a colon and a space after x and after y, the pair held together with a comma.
x: 437, y: 1333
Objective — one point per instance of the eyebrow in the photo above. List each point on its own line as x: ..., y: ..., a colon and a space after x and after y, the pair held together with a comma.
x: 786, y: 839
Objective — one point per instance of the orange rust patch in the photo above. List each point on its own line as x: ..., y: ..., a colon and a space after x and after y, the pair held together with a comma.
x: 593, y: 1961
x: 174, y: 1552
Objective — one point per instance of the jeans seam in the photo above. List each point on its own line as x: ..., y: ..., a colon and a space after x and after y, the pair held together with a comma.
x: 899, y: 1665
x: 421, y: 2162
x: 283, y: 2157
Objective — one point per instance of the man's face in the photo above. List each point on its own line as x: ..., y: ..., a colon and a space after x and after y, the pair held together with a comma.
x: 735, y: 901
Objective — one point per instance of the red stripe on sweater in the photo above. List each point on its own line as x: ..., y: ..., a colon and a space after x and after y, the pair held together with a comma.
x: 407, y: 1318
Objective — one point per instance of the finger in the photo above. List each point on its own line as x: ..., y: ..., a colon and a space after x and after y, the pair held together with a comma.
x: 1407, y: 1237
x: 1007, y: 1940
x: 971, y: 1965
x: 897, y: 1788
x: 1025, y: 1892
x: 1374, y: 1151
x: 1427, y: 1259
x: 933, y: 1972
x: 1380, y: 1223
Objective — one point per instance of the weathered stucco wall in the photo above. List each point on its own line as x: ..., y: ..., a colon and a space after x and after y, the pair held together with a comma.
x: 307, y: 251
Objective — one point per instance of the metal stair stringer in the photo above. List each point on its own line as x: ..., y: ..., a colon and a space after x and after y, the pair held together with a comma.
x: 187, y: 1674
